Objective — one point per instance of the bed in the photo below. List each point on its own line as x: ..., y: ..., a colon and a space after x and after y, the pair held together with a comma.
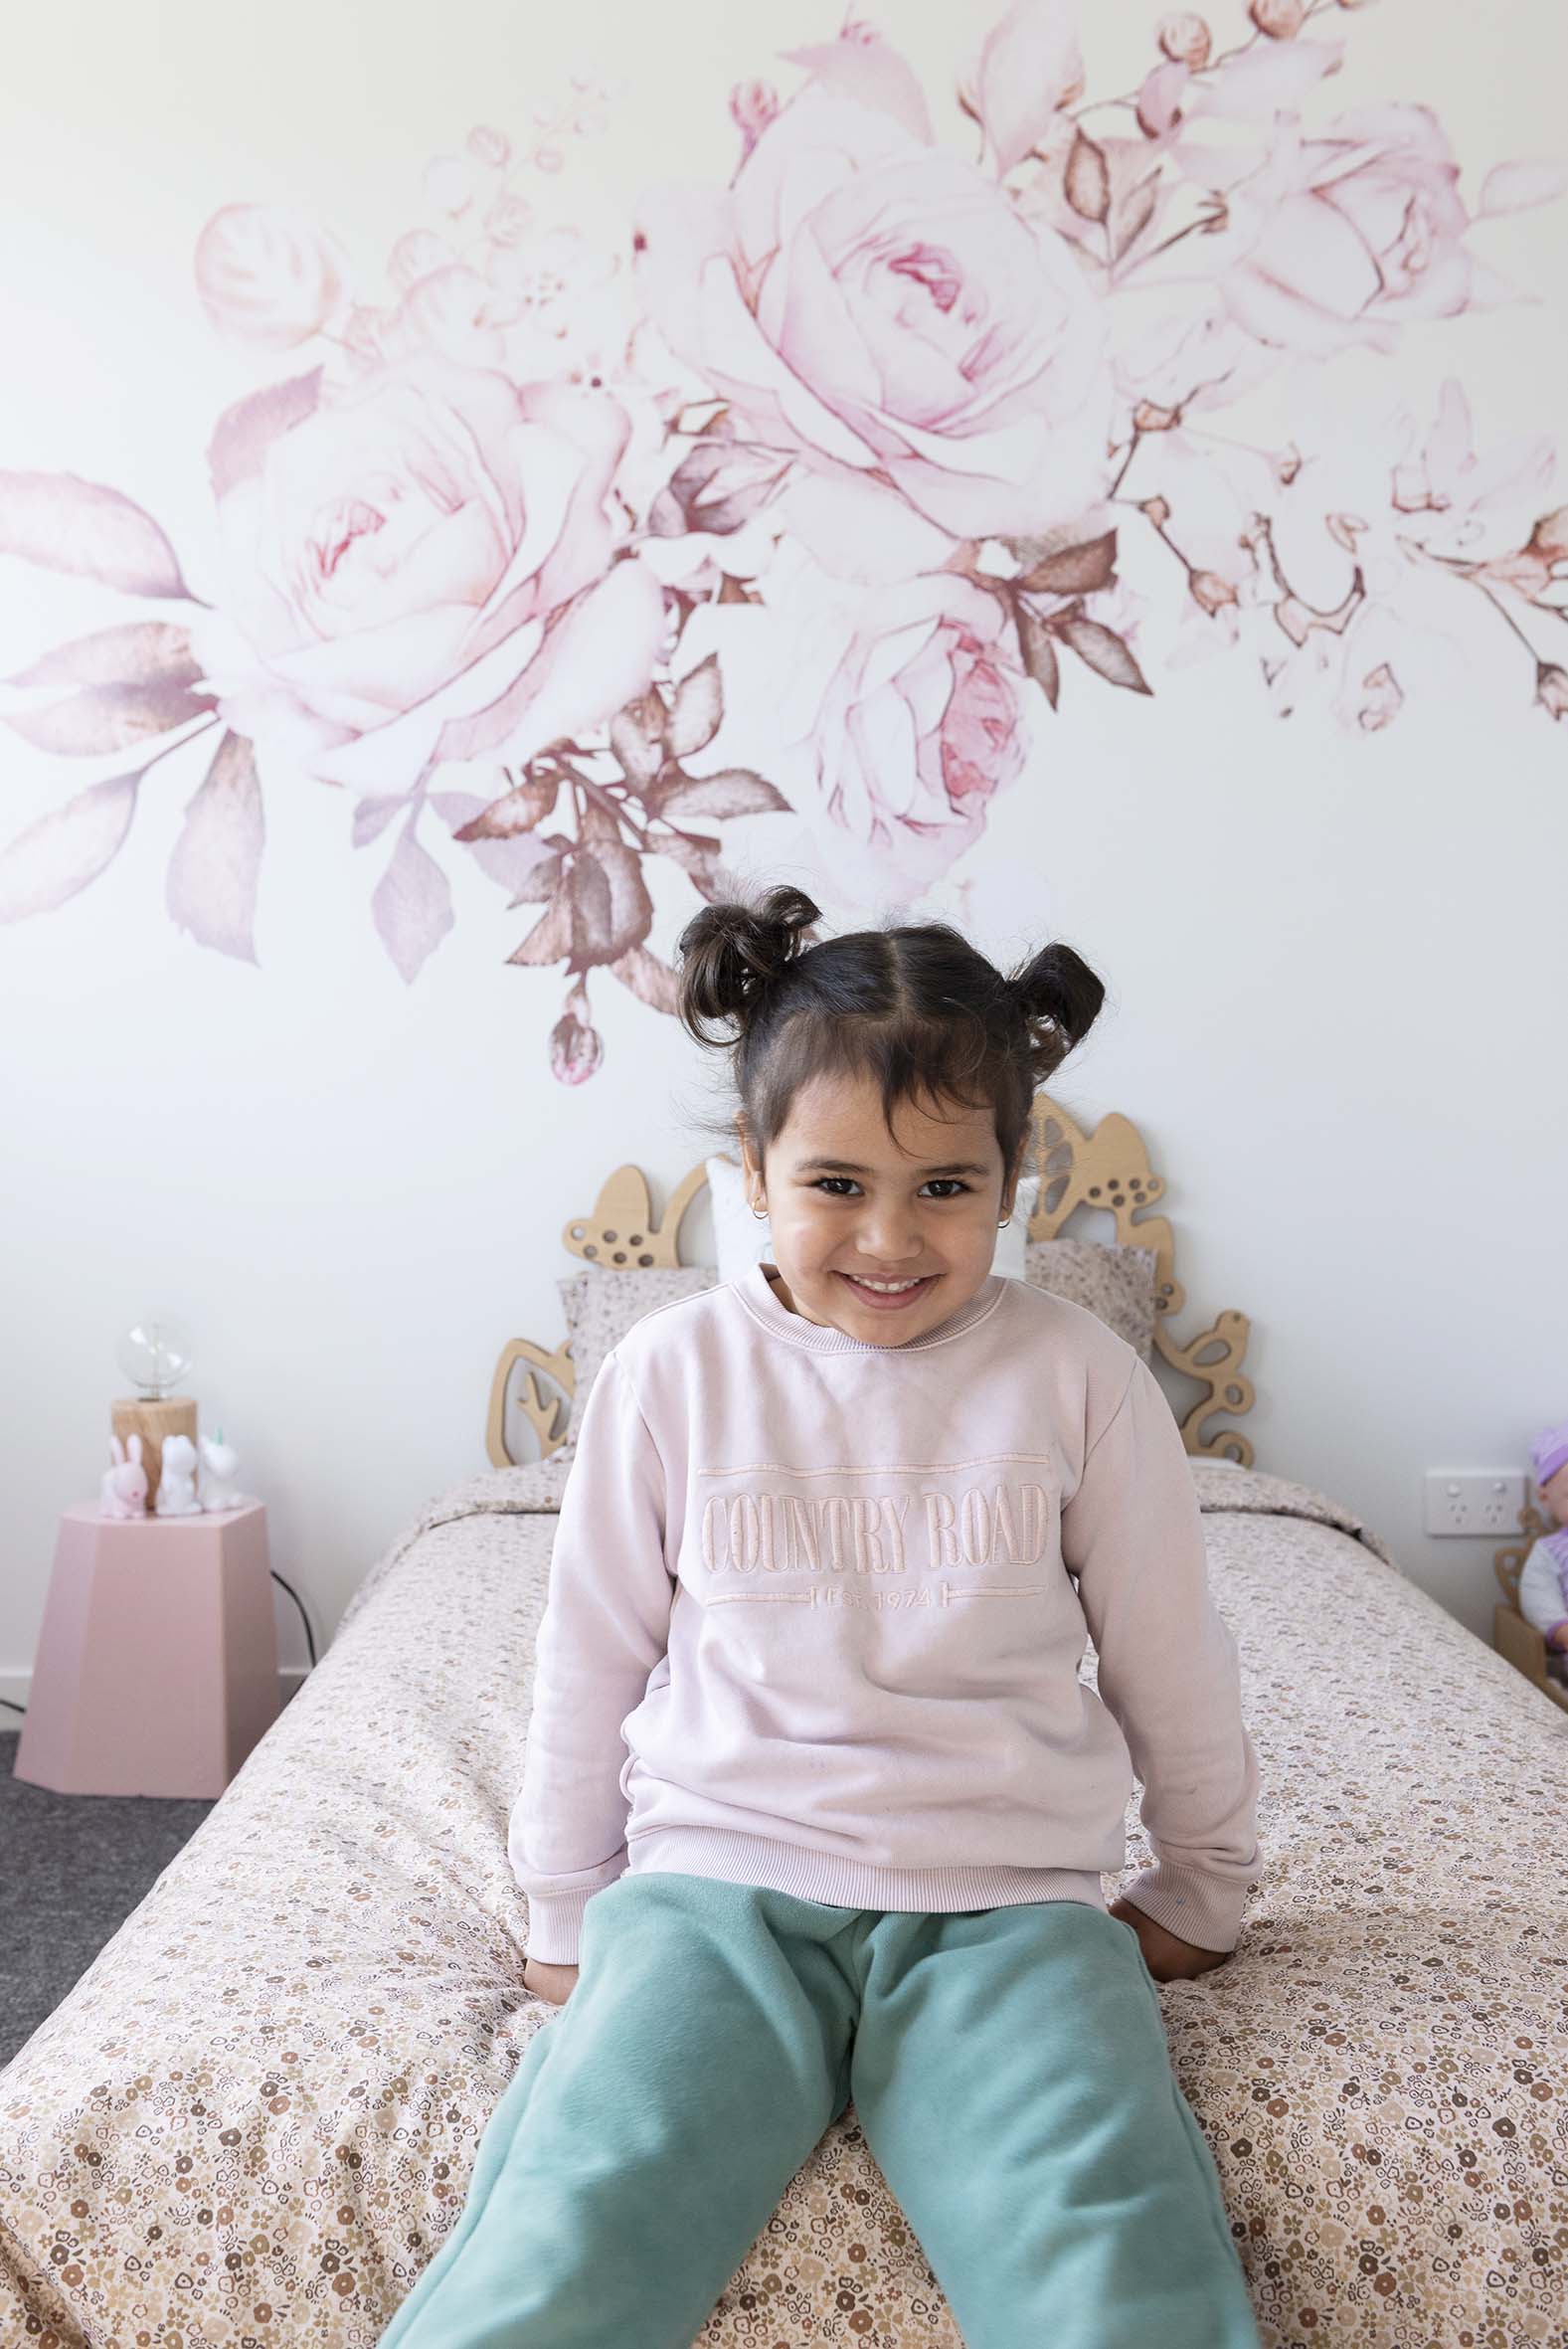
x: 252, y: 2119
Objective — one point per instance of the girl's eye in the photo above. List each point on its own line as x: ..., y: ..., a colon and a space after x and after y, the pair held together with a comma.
x: 951, y: 1183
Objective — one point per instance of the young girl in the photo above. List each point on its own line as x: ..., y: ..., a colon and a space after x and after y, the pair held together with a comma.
x: 815, y: 1807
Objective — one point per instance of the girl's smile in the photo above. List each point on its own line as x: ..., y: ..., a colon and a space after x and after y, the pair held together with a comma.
x: 887, y: 1301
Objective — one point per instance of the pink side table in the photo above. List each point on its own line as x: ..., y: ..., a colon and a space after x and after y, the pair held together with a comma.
x: 157, y: 1670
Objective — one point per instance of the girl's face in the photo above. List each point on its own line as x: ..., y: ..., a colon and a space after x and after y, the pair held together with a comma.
x: 848, y: 1201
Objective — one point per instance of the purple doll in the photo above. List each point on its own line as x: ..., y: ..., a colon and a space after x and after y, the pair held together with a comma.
x: 1543, y: 1578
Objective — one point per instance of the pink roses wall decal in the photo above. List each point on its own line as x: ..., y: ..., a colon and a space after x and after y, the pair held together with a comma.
x: 922, y: 439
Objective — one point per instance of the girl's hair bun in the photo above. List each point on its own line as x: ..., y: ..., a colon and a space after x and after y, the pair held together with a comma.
x: 1057, y: 990
x: 731, y: 953
x: 914, y: 1008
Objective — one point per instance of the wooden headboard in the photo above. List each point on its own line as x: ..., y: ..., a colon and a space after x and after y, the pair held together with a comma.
x: 1107, y: 1169
x: 1513, y: 1634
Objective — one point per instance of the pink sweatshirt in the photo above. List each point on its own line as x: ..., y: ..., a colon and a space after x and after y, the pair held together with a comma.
x: 809, y: 1624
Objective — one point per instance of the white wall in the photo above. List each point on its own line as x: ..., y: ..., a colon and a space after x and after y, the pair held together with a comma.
x: 1336, y: 961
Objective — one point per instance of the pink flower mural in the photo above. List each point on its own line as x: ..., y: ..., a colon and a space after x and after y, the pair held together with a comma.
x: 869, y: 302
x: 895, y: 421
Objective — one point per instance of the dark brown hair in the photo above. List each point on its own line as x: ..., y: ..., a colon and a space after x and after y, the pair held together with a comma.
x: 918, y: 1008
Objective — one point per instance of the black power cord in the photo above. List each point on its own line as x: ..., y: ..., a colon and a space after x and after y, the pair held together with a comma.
x: 276, y: 1577
x: 303, y: 1617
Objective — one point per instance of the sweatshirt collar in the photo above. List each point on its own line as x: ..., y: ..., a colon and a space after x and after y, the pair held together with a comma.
x: 757, y: 1292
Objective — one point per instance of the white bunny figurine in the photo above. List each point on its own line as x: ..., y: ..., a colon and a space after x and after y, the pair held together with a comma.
x: 124, y: 1491
x: 176, y: 1478
x: 219, y: 1462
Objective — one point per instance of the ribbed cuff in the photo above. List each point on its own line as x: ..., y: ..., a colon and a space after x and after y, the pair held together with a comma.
x: 555, y: 1927
x: 1203, y: 1909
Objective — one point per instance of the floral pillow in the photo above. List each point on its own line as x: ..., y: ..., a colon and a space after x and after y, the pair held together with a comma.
x: 600, y: 1306
x: 1115, y: 1282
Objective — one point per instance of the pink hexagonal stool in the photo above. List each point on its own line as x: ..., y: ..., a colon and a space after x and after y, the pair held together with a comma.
x: 157, y: 1670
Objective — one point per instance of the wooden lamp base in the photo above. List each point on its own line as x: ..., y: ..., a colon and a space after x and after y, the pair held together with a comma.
x: 154, y: 1422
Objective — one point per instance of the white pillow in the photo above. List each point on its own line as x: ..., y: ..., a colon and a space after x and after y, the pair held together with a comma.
x: 741, y: 1239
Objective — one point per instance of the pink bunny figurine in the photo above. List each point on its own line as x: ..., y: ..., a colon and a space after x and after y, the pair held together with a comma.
x: 124, y: 1491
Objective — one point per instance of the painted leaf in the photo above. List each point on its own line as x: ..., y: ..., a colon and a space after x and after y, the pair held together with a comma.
x: 1510, y: 187
x: 519, y: 861
x: 601, y: 911
x: 373, y: 815
x: 529, y: 869
x: 65, y: 849
x: 1073, y: 570
x: 211, y: 886
x: 716, y: 487
x: 647, y: 977
x: 697, y: 710
x: 598, y: 820
x: 735, y: 791
x: 1086, y: 185
x: 1029, y: 65
x: 63, y: 523
x: 515, y: 813
x: 137, y: 653
x: 610, y: 903
x: 698, y: 856
x: 873, y: 75
x: 550, y: 938
x: 1104, y: 652
x: 245, y: 432
x: 1130, y: 215
x: 1039, y: 653
x: 636, y: 736
x: 110, y: 718
x: 411, y: 907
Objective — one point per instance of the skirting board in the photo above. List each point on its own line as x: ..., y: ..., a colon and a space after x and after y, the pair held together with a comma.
x: 17, y: 1684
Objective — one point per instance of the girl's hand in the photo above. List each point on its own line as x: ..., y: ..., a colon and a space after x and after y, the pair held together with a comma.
x: 1167, y: 1958
x: 552, y: 1983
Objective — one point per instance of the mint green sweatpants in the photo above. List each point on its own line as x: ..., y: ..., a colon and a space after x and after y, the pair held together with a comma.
x: 1009, y: 2069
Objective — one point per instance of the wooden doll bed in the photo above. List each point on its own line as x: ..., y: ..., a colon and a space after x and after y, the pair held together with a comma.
x: 253, y: 2120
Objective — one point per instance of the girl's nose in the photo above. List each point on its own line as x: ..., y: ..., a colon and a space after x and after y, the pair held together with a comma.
x: 889, y: 1236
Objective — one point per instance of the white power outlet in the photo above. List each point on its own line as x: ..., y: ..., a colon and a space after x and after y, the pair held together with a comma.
x: 1475, y: 1501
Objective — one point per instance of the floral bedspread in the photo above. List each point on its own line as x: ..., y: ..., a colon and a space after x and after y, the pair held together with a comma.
x: 253, y: 2120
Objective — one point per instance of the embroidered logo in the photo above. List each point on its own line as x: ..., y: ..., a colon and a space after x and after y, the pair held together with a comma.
x: 964, y: 1518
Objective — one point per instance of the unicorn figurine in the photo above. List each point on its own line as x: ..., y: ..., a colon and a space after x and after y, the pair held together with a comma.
x: 219, y: 1464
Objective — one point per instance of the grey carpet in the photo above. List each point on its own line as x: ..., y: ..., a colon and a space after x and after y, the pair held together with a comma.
x: 75, y: 1865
